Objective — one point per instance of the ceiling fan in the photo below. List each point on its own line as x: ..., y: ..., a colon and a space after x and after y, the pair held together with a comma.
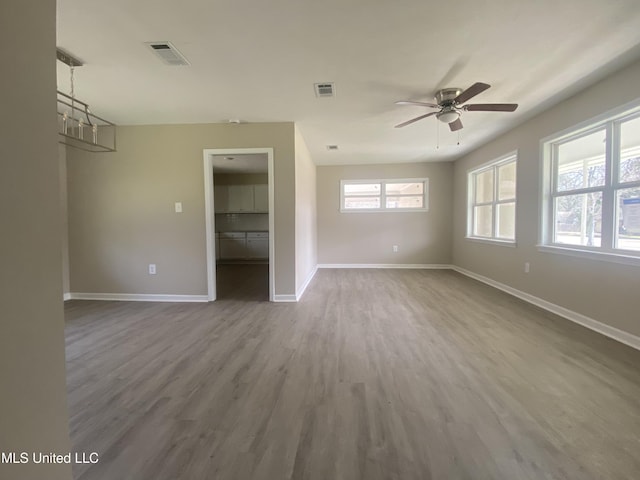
x: 449, y: 104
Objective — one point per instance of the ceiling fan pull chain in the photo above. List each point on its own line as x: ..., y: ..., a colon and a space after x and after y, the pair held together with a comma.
x: 437, y: 135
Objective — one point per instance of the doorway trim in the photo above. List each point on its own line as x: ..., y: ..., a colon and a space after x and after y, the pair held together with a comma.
x: 210, y: 220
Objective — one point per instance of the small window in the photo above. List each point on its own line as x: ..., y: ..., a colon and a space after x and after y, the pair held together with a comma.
x: 492, y: 201
x: 401, y: 195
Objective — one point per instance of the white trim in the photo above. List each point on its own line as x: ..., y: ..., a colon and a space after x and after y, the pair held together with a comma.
x: 137, y: 297
x: 591, y: 254
x: 306, y: 283
x: 285, y: 298
x: 493, y: 241
x: 66, y: 296
x: 604, y: 329
x: 383, y: 195
x: 210, y: 214
x: 491, y: 166
x: 609, y: 121
x: 426, y: 266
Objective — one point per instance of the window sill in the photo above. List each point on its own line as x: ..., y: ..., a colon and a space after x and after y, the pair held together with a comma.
x: 492, y: 241
x: 384, y: 210
x: 592, y: 255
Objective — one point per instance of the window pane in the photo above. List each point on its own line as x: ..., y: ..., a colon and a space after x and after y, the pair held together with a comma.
x: 628, y: 214
x: 404, y: 188
x: 483, y: 221
x: 362, y: 189
x: 507, y: 181
x: 578, y: 219
x: 405, y: 202
x: 506, y: 221
x: 581, y: 162
x: 630, y: 151
x: 361, y: 202
x: 484, y: 186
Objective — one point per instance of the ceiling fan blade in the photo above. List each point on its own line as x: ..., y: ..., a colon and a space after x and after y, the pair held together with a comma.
x: 422, y: 104
x: 471, y: 92
x: 408, y: 122
x: 491, y: 107
x: 455, y: 125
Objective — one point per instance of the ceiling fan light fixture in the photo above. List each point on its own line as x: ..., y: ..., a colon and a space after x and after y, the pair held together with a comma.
x: 448, y: 116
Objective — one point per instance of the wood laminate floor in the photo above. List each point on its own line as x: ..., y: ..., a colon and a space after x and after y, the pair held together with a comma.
x: 375, y: 374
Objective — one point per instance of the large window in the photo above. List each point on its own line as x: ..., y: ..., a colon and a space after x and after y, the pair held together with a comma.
x: 402, y: 195
x: 592, y: 188
x: 492, y: 201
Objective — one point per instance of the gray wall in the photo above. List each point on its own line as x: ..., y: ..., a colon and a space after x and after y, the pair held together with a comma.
x: 604, y: 291
x: 367, y: 238
x: 33, y: 410
x: 121, y: 208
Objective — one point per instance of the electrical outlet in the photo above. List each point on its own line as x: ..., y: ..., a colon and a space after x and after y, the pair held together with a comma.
x: 178, y: 207
x: 152, y: 269
x: 526, y: 267
x: 395, y: 249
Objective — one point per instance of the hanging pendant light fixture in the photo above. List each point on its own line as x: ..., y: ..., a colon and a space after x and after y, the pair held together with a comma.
x: 77, y: 126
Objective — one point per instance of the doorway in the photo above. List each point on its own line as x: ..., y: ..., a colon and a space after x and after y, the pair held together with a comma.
x: 240, y: 230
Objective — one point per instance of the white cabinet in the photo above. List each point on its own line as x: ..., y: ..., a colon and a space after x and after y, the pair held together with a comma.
x: 257, y: 245
x: 261, y: 198
x: 220, y: 199
x: 241, y: 199
x: 233, y: 245
x: 243, y: 246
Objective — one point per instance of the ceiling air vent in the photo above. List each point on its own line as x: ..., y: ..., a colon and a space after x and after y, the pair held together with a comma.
x: 332, y: 147
x: 168, y: 53
x: 324, y: 89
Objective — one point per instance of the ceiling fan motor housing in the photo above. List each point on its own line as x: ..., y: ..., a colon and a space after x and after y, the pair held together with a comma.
x: 446, y: 96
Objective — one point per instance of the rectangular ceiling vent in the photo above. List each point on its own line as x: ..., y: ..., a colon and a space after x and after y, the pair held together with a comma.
x: 168, y: 53
x: 324, y: 89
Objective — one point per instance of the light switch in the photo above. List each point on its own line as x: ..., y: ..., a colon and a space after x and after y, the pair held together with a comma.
x: 178, y: 207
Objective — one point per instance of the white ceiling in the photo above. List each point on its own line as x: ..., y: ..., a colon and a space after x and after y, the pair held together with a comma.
x: 257, y: 61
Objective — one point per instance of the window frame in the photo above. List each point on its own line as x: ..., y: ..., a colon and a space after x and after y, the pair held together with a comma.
x: 611, y: 123
x: 383, y: 196
x: 493, y: 165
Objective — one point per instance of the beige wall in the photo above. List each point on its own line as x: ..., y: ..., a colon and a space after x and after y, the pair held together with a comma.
x: 604, y: 291
x: 422, y: 237
x: 33, y: 410
x: 306, y: 213
x: 62, y: 159
x: 121, y: 208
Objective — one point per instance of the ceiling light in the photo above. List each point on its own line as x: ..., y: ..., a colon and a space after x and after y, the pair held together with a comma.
x: 448, y: 116
x: 77, y: 126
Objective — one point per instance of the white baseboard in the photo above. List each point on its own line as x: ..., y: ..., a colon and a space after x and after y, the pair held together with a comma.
x: 285, y: 298
x: 306, y: 283
x: 66, y: 296
x: 602, y: 328
x: 135, y: 297
x: 386, y: 265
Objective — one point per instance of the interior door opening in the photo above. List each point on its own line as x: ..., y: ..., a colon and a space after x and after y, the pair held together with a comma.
x: 239, y: 205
